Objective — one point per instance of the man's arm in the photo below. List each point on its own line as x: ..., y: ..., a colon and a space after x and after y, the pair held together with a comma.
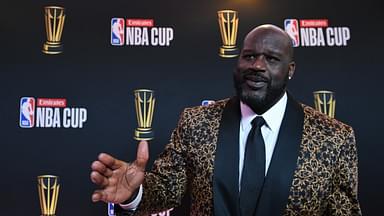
x: 164, y: 186
x: 343, y: 200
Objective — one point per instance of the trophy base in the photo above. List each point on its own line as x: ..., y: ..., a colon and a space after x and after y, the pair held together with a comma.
x: 52, y: 48
x: 143, y: 135
x: 228, y: 51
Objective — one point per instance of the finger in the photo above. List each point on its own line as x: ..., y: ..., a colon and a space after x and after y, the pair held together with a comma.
x: 142, y: 155
x: 96, y: 196
x: 110, y: 161
x: 99, y: 195
x: 99, y: 179
x: 101, y: 168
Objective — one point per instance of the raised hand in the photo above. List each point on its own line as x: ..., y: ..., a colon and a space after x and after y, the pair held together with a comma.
x: 118, y: 180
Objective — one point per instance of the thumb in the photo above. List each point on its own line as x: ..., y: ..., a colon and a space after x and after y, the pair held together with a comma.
x: 142, y: 155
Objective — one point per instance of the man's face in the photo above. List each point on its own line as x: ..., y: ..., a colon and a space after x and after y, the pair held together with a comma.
x: 263, y: 68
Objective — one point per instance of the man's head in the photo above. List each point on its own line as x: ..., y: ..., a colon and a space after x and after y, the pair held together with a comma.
x: 264, y: 67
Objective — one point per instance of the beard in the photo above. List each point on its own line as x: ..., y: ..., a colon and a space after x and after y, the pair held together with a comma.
x: 260, y: 99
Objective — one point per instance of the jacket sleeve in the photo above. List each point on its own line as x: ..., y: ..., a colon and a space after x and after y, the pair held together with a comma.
x: 343, y: 200
x: 165, y: 184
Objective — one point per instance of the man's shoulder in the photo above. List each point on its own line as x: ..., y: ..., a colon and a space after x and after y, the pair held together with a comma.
x: 213, y: 110
x: 318, y: 119
x: 212, y: 106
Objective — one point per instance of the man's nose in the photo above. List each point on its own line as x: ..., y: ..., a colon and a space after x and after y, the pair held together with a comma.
x: 259, y: 63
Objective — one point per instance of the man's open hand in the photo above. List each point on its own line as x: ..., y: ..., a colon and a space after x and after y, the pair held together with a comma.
x: 116, y: 179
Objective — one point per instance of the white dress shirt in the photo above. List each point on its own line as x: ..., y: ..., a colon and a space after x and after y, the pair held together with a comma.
x: 270, y: 131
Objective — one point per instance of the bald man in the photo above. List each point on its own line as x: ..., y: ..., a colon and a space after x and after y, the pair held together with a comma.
x: 257, y: 153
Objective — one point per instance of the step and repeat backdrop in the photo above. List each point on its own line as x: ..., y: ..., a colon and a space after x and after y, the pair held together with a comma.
x: 68, y: 71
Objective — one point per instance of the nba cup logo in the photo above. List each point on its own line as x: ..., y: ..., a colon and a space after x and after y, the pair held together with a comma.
x: 228, y: 23
x: 145, y: 105
x: 325, y: 102
x: 54, y: 24
x: 48, y: 186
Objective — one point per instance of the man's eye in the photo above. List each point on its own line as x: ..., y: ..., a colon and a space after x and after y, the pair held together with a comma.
x: 271, y: 59
x: 249, y: 57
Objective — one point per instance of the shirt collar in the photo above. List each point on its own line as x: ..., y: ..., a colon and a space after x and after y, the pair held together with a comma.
x: 273, y: 117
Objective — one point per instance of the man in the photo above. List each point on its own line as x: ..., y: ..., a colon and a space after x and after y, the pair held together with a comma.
x: 290, y: 160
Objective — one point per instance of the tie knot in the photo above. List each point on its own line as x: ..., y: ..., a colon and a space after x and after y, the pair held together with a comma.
x: 258, y: 121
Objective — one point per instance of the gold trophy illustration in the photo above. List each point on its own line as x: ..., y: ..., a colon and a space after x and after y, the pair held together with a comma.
x: 54, y: 24
x: 228, y: 23
x: 145, y: 106
x: 325, y: 102
x: 48, y: 187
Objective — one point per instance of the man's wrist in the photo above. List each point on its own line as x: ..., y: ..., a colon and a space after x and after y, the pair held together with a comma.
x: 133, y: 197
x: 133, y: 202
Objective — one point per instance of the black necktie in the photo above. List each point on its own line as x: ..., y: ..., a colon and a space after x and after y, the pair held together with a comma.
x: 252, y: 178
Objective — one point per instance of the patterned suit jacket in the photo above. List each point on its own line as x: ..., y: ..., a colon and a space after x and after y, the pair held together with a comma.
x: 315, y: 174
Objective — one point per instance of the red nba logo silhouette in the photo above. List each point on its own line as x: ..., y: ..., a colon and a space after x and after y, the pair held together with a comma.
x: 292, y: 28
x: 27, y: 112
x: 117, y: 31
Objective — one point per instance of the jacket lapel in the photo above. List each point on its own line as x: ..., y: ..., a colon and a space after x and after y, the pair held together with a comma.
x: 284, y: 162
x: 226, y: 164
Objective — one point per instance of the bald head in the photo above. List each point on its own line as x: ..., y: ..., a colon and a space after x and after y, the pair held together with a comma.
x: 280, y: 36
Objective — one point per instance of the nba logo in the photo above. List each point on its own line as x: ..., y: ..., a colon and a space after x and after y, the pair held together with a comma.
x: 111, y: 209
x: 207, y: 102
x: 27, y: 112
x: 292, y: 28
x: 117, y: 31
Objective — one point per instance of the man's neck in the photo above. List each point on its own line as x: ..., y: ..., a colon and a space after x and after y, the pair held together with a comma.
x: 276, y: 111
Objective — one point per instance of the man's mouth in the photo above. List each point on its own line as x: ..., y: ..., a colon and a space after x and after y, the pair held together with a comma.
x: 255, y: 82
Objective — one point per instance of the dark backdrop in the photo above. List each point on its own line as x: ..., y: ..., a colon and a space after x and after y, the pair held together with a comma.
x: 92, y: 73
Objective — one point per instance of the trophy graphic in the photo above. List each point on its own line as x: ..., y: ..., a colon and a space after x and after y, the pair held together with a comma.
x: 145, y: 105
x: 228, y: 23
x: 54, y: 24
x: 325, y: 102
x: 48, y: 187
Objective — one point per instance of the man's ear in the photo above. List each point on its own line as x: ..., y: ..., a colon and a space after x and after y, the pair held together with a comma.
x: 291, y: 69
